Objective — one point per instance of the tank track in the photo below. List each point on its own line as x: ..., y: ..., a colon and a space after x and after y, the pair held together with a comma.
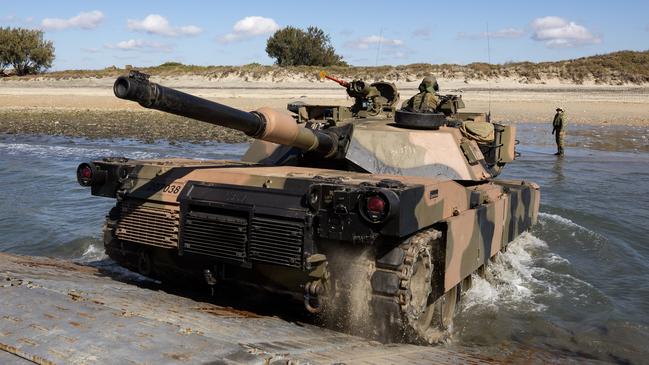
x: 398, y: 290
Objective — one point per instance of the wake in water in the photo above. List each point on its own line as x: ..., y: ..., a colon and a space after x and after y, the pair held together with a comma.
x: 45, y: 151
x: 513, y: 279
x: 54, y: 147
x: 565, y: 224
x: 545, y: 217
x: 526, y: 278
x: 533, y: 298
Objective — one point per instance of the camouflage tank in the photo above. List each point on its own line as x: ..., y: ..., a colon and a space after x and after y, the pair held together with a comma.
x: 413, y: 194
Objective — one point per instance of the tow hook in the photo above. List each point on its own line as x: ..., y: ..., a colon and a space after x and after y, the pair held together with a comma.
x: 313, y: 291
x: 210, y: 280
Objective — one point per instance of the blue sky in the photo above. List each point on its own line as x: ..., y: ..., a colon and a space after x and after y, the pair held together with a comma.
x: 95, y: 34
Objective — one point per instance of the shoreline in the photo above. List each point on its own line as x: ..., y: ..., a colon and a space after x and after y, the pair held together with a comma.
x: 88, y: 108
x: 145, y: 126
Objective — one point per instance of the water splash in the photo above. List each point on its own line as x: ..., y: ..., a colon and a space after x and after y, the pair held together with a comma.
x: 513, y: 279
x: 92, y: 253
x: 529, y: 278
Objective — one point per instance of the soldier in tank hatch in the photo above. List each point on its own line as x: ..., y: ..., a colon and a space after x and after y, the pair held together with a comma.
x: 425, y: 101
x: 559, y: 130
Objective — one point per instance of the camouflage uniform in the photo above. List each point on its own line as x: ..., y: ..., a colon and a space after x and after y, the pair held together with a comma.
x: 559, y: 130
x: 426, y: 101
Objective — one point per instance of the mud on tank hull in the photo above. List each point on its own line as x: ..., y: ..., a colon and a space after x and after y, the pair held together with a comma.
x: 405, y: 247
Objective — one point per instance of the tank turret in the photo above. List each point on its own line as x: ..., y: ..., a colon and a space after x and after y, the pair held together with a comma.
x: 352, y: 143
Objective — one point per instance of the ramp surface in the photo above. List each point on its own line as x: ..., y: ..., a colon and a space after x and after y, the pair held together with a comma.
x: 57, y: 312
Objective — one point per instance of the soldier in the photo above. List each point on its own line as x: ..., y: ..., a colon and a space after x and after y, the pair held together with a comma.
x: 426, y: 101
x: 559, y: 130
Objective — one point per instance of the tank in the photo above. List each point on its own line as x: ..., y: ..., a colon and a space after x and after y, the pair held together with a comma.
x: 389, y: 215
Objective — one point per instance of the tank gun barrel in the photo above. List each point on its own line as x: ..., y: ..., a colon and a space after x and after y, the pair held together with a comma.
x: 264, y: 123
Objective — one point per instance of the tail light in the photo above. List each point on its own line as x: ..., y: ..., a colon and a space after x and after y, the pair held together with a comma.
x: 375, y: 205
x: 378, y: 206
x: 89, y: 175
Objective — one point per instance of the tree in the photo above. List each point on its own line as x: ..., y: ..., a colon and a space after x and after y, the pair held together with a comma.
x: 3, y: 46
x: 25, y: 50
x: 291, y: 46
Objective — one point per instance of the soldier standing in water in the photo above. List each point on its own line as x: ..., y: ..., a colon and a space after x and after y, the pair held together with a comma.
x: 559, y: 130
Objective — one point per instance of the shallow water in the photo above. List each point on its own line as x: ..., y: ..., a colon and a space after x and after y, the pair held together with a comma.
x: 577, y: 285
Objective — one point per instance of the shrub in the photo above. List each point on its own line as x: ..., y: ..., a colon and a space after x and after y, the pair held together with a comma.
x: 171, y: 64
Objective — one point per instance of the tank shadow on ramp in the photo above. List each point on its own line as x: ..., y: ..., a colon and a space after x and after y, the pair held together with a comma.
x: 57, y: 312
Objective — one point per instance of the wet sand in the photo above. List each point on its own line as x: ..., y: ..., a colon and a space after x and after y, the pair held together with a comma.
x: 87, y: 107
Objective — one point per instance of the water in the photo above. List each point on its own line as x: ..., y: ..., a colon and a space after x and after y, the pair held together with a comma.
x: 577, y: 285
x: 43, y: 211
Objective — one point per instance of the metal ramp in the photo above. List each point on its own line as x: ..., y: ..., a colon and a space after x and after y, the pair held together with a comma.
x: 57, y: 312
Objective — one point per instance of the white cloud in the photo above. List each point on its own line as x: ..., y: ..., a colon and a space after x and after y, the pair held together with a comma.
x: 366, y: 42
x: 157, y: 24
x: 248, y: 27
x: 190, y: 30
x: 140, y: 45
x: 85, y: 20
x: 558, y: 32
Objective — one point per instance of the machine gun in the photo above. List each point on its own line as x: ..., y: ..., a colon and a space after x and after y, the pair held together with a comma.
x: 264, y: 123
x: 449, y: 104
x: 369, y: 99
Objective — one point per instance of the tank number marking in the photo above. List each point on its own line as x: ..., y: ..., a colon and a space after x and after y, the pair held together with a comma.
x: 172, y: 189
x: 162, y: 187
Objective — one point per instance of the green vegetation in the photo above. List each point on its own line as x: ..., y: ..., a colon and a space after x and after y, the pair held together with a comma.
x: 291, y: 46
x: 619, y: 68
x: 25, y: 51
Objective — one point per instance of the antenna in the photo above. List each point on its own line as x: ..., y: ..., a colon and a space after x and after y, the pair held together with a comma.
x: 489, y: 62
x: 378, y: 47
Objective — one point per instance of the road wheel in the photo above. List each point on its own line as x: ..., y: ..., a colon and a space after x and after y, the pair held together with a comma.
x: 407, y: 294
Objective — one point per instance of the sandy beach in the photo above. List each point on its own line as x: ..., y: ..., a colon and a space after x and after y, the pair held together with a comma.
x: 87, y: 106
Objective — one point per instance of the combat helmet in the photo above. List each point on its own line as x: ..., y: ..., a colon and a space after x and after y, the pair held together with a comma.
x: 429, y: 84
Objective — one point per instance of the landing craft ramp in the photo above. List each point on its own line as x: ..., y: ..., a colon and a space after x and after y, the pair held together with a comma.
x: 57, y: 312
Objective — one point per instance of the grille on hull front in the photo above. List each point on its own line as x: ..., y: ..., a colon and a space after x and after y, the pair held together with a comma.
x: 276, y: 241
x: 216, y: 235
x: 149, y: 225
